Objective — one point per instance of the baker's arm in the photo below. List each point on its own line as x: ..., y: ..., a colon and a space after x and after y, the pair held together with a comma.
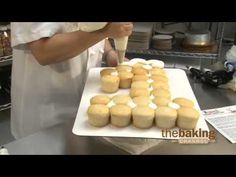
x: 65, y: 46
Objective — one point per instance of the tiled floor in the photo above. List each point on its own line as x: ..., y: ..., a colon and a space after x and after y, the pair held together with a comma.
x: 5, y: 131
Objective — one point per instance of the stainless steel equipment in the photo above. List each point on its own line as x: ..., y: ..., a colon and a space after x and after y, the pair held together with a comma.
x: 198, y: 38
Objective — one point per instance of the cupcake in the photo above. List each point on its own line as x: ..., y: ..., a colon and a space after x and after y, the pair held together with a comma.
x: 125, y: 79
x: 187, y: 118
x: 135, y: 92
x: 110, y: 84
x: 184, y: 102
x: 157, y: 71
x: 140, y: 71
x: 161, y: 93
x: 143, y: 117
x: 108, y: 71
x: 160, y: 85
x: 121, y: 99
x: 125, y: 68
x: 120, y: 115
x: 140, y: 85
x: 98, y: 115
x: 142, y: 100
x: 161, y: 101
x: 100, y: 99
x: 165, y: 117
x: 159, y: 78
x: 140, y: 78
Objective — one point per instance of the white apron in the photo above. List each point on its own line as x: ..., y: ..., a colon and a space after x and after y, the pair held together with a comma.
x: 43, y: 96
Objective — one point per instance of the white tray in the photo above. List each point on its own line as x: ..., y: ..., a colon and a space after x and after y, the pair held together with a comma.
x: 179, y: 87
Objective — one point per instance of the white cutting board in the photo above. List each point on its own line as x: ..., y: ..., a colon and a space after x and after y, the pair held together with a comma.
x: 179, y: 87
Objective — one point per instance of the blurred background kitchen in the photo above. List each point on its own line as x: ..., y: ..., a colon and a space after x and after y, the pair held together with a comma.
x: 178, y: 44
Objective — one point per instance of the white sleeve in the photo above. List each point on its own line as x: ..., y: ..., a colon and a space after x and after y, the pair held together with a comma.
x: 25, y: 32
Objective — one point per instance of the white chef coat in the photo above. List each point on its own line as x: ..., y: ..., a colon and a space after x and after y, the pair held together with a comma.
x: 43, y: 96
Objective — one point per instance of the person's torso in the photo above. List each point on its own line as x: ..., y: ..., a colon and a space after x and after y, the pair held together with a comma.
x: 46, y: 95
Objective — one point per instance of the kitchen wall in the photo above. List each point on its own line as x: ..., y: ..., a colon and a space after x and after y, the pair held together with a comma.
x: 230, y: 29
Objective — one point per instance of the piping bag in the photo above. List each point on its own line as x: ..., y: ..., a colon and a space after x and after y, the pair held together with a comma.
x: 121, y: 46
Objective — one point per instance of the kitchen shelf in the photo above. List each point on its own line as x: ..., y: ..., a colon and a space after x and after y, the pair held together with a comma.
x: 179, y: 51
x: 5, y: 60
x: 5, y: 106
x: 173, y: 53
x: 5, y: 102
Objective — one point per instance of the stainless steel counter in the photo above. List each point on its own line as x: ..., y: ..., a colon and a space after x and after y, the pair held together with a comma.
x: 60, y: 140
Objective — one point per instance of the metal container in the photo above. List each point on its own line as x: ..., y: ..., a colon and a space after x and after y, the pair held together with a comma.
x: 163, y: 42
x: 198, y: 38
x: 165, y: 32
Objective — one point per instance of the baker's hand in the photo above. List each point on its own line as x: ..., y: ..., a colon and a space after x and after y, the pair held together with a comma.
x: 112, y: 59
x: 118, y: 29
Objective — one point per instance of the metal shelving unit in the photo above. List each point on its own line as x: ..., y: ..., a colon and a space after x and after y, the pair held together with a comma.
x: 179, y: 52
x: 5, y: 60
x: 173, y: 53
x: 5, y: 102
x: 5, y: 106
